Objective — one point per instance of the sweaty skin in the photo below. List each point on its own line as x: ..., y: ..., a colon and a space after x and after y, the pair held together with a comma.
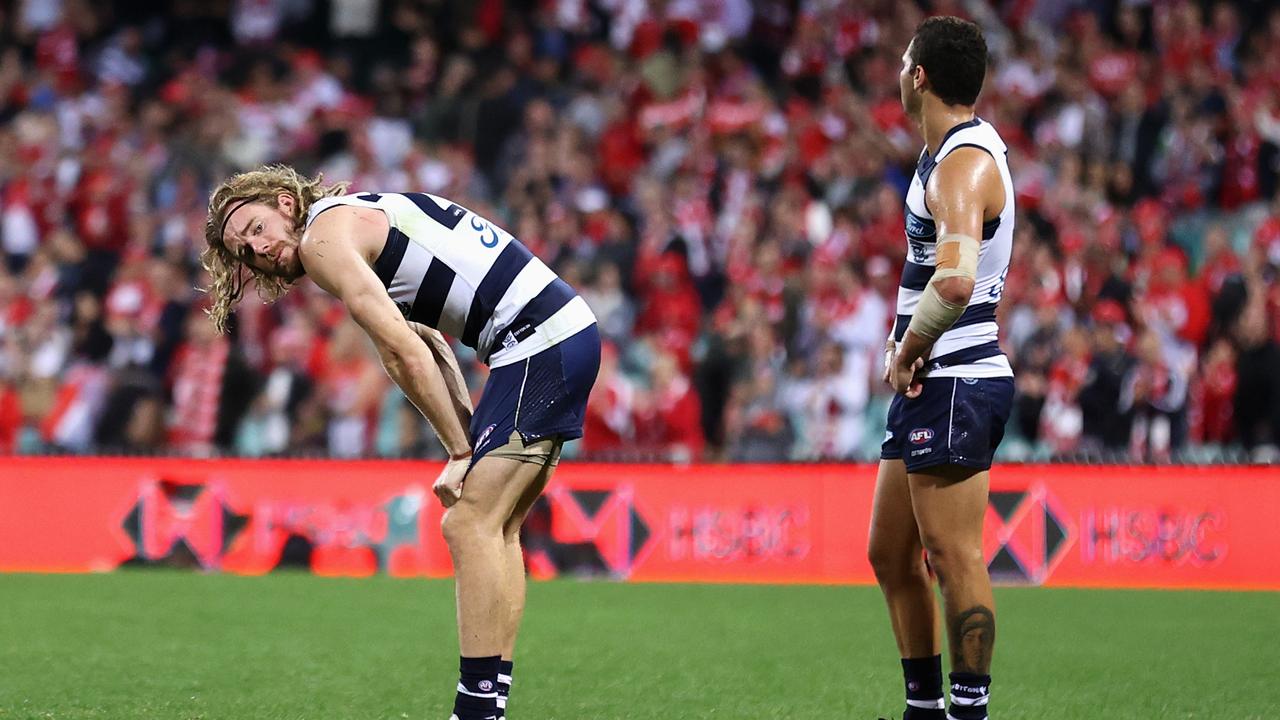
x: 337, y: 251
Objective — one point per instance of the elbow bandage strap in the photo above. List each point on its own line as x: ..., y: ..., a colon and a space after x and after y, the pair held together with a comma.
x: 933, y: 315
x: 957, y: 256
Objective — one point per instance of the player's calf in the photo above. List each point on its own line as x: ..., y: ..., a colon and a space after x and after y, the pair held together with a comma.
x: 970, y: 624
x: 908, y: 589
x: 971, y: 630
x: 475, y: 543
x: 967, y: 603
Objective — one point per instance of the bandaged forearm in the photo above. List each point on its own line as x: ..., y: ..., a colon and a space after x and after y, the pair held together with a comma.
x: 957, y: 256
x: 933, y: 315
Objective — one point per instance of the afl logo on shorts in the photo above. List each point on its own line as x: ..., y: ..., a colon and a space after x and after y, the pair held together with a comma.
x: 920, y: 436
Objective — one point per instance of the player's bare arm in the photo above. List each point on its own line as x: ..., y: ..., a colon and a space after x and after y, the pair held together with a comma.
x: 390, y: 257
x: 964, y: 191
x: 449, y: 367
x: 332, y: 252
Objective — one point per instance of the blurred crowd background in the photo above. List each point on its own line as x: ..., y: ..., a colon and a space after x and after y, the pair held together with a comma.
x: 722, y: 180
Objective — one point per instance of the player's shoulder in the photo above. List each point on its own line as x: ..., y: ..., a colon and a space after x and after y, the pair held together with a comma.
x: 965, y: 167
x: 971, y: 146
x: 968, y: 172
x: 347, y: 217
x: 361, y: 227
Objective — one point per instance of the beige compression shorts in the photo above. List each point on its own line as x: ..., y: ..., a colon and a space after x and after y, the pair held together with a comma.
x: 545, y: 452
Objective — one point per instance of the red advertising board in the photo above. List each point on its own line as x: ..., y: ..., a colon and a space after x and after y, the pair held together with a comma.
x: 1212, y: 527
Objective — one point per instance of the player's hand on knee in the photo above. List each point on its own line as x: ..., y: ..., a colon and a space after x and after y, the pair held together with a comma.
x: 448, y: 486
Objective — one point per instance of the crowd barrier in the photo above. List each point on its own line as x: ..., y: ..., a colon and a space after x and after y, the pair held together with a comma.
x: 1053, y: 525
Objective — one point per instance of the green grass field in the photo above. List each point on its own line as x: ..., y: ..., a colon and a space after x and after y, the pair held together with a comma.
x: 163, y: 644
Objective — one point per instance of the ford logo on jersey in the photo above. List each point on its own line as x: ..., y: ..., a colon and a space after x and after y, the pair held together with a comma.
x: 920, y: 436
x: 918, y: 228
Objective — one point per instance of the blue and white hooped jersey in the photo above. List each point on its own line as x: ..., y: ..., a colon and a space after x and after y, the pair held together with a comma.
x: 450, y: 269
x: 970, y: 347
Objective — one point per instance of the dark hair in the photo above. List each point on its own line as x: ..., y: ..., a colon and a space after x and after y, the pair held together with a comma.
x: 954, y: 56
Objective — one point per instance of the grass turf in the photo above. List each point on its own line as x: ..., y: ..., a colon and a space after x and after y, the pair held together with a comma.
x: 164, y: 644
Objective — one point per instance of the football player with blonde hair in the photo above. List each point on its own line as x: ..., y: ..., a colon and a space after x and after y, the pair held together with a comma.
x: 410, y: 268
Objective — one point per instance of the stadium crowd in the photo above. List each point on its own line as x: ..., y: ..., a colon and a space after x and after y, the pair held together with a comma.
x: 723, y: 181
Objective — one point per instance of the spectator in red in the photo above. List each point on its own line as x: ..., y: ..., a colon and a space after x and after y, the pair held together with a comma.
x: 668, y: 417
x: 15, y: 307
x: 671, y: 308
x: 100, y: 211
x: 353, y: 386
x: 1172, y: 305
x: 211, y: 387
x: 609, y: 425
x: 1215, y: 395
x: 1061, y: 419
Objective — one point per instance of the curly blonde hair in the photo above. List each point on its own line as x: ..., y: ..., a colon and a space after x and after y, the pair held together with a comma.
x: 263, y: 185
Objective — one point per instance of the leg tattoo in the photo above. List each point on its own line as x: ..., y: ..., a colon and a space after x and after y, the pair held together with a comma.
x: 973, y: 636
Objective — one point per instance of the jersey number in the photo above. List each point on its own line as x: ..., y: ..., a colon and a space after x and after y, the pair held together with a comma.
x: 452, y: 215
x: 481, y: 226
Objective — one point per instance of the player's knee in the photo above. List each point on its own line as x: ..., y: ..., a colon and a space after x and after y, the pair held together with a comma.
x: 883, y: 561
x: 461, y: 526
x: 895, y: 565
x: 450, y: 527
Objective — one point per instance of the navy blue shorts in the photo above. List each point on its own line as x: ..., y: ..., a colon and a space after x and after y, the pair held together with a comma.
x: 540, y: 397
x: 955, y: 421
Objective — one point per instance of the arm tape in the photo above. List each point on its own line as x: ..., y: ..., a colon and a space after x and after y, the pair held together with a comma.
x: 933, y: 315
x: 957, y: 256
